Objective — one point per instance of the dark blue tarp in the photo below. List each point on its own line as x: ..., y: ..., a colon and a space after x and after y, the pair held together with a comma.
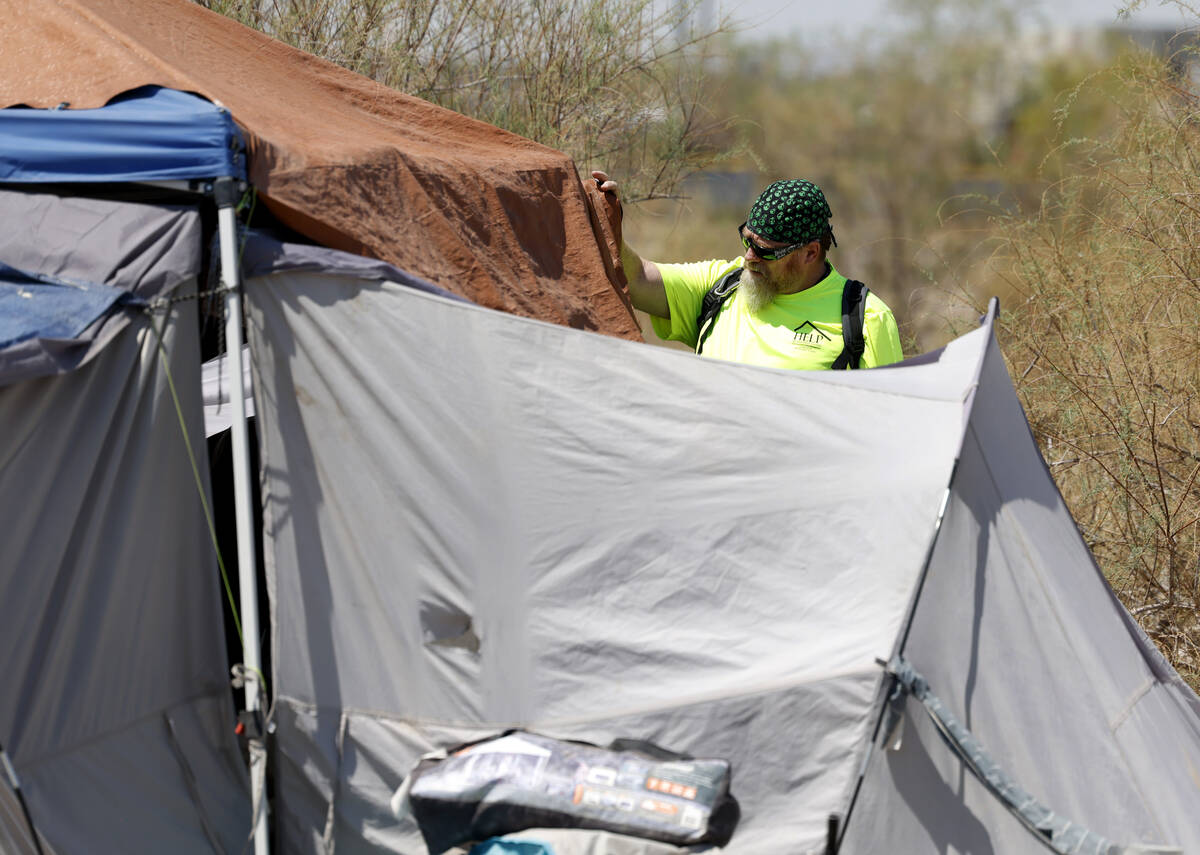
x: 148, y: 134
x: 42, y: 307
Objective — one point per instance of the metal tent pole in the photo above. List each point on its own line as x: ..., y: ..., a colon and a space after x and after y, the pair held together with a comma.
x: 225, y: 192
x: 15, y: 783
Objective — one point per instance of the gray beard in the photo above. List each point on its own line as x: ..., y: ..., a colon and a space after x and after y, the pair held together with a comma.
x: 757, y: 291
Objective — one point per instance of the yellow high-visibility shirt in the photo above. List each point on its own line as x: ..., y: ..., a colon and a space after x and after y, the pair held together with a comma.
x: 802, y: 330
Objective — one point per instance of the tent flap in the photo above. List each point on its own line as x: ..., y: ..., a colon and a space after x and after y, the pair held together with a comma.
x: 31, y: 307
x: 455, y: 486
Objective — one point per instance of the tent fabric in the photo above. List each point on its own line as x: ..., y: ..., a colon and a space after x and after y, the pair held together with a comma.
x: 1018, y: 634
x: 347, y: 162
x: 149, y: 134
x: 1060, y: 833
x: 263, y: 253
x: 465, y: 533
x: 436, y: 473
x: 102, y: 256
x: 117, y: 715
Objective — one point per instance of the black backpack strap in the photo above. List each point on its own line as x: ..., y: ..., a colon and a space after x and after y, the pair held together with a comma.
x: 854, y: 309
x: 714, y: 299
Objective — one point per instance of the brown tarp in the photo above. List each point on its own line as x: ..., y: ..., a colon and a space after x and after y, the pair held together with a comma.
x: 342, y: 159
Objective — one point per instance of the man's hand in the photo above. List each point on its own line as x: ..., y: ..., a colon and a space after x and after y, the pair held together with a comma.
x: 646, y: 290
x: 606, y: 184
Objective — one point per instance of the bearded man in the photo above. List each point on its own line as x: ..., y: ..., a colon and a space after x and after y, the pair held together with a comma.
x: 781, y: 304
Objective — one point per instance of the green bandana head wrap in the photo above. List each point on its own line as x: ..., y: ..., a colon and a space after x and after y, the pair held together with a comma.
x: 790, y: 211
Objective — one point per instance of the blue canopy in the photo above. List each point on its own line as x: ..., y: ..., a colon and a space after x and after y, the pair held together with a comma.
x: 147, y: 134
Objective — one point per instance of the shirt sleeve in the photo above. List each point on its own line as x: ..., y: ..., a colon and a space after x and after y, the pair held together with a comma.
x: 686, y: 285
x: 881, y: 333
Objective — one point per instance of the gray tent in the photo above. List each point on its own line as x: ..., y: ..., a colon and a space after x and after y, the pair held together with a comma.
x: 117, y: 710
x: 477, y: 521
x: 474, y: 521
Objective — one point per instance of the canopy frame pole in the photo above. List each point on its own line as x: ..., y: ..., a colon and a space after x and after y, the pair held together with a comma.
x: 226, y: 192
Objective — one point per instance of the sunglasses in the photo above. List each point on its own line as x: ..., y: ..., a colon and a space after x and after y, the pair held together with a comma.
x: 768, y: 253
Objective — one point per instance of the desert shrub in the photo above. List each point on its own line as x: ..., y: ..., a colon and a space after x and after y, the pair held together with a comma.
x: 1103, y: 344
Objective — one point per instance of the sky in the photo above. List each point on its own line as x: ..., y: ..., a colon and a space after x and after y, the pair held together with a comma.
x: 766, y: 18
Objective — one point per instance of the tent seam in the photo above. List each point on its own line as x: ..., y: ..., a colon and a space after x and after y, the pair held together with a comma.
x: 1135, y: 698
x: 1134, y: 780
x: 28, y: 764
x: 762, y: 689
